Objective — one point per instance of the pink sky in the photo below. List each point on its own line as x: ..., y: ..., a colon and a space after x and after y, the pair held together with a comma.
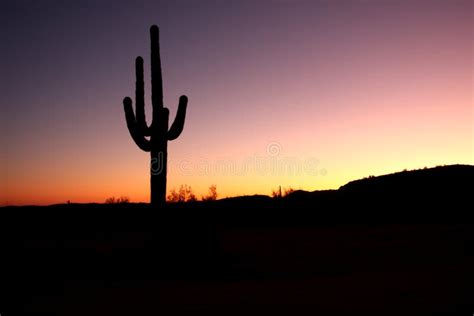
x: 349, y: 88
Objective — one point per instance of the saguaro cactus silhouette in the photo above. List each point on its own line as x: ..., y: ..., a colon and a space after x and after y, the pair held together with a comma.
x: 158, y: 131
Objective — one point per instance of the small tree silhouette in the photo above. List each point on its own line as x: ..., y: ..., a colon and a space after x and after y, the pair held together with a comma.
x: 110, y: 200
x: 212, y: 195
x: 184, y: 194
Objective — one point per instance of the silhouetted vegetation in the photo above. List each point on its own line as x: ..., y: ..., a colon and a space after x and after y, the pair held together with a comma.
x: 184, y: 194
x: 279, y: 193
x: 212, y: 195
x: 113, y: 200
x: 158, y: 131
x: 404, y: 237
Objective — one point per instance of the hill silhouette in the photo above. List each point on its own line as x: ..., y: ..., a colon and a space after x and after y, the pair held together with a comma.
x: 428, y: 194
x: 393, y: 244
x: 452, y: 180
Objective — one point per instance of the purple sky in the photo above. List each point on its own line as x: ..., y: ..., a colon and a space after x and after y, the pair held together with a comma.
x: 364, y: 86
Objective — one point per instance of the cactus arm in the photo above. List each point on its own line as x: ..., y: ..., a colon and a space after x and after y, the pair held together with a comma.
x: 156, y: 78
x: 140, y: 97
x: 157, y: 130
x: 178, y: 124
x: 133, y: 127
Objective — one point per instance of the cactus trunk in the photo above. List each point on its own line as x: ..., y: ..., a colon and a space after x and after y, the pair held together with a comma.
x: 158, y: 131
x: 158, y: 171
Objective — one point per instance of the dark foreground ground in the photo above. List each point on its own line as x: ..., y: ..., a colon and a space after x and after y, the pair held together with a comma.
x: 324, y: 253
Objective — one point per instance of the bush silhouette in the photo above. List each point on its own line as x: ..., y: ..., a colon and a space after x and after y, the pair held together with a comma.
x: 184, y: 194
x: 212, y: 195
x: 120, y: 200
x: 279, y: 194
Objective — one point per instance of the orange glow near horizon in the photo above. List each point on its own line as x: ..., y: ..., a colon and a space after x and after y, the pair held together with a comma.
x: 353, y: 151
x: 381, y: 90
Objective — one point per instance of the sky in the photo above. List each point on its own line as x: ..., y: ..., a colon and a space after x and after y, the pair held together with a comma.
x: 302, y: 94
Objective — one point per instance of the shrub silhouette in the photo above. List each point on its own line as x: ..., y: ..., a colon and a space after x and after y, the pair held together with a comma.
x: 276, y: 193
x: 288, y: 191
x: 212, y: 195
x: 120, y: 200
x: 184, y: 194
x: 279, y: 194
x: 158, y: 130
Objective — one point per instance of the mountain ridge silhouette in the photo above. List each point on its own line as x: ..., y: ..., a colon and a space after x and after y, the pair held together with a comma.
x: 439, y: 178
x: 392, y: 239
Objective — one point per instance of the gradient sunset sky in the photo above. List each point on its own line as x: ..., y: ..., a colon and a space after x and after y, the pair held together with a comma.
x: 307, y: 94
